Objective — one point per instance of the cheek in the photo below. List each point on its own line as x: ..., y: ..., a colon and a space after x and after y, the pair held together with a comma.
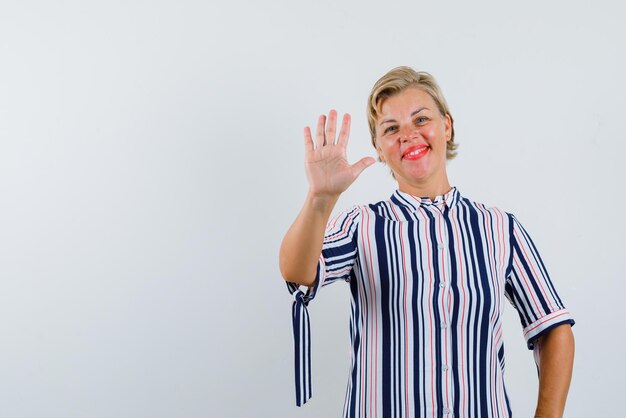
x: 391, y: 150
x: 429, y: 132
x: 386, y: 145
x: 433, y: 134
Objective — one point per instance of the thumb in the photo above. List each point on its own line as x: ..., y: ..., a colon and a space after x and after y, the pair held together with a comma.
x: 362, y: 164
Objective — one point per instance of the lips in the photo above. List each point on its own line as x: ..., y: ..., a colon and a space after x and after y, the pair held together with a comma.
x: 415, y: 152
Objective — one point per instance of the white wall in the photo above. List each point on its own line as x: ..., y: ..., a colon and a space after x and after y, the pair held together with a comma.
x: 151, y: 161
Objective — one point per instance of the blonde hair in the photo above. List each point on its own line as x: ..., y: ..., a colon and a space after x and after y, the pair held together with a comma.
x: 397, y: 80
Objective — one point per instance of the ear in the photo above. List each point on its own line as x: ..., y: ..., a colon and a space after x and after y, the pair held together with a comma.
x: 447, y: 120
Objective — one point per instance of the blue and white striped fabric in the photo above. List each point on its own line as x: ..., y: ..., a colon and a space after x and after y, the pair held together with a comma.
x: 428, y: 281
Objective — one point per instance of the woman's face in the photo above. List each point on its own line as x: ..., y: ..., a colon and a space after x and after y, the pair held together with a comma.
x: 411, y: 138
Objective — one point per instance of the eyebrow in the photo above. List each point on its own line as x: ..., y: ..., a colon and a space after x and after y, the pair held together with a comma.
x: 415, y: 112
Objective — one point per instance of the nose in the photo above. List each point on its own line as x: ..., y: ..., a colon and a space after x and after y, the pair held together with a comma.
x: 408, y: 133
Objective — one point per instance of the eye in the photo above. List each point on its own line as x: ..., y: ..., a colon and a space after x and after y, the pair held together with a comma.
x: 389, y: 129
x: 421, y: 119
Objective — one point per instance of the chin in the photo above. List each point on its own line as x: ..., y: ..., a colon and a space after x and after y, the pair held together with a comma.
x: 418, y: 174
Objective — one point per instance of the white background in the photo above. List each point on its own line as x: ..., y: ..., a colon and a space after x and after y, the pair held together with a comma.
x: 151, y: 161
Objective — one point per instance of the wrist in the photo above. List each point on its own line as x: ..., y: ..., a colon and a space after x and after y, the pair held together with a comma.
x: 322, y: 202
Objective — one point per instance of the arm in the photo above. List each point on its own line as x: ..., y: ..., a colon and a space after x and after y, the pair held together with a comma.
x: 302, y: 245
x: 556, y: 359
x: 329, y: 174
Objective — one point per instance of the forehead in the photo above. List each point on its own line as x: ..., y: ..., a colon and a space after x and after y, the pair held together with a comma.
x: 405, y: 102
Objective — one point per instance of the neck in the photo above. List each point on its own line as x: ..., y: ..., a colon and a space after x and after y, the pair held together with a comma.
x: 429, y: 188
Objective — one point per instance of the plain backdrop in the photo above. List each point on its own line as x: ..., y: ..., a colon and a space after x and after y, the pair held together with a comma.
x: 151, y: 160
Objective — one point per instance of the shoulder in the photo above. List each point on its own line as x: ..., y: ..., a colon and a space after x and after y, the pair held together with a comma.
x: 345, y: 219
x: 466, y: 203
x: 352, y: 212
x: 470, y: 203
x: 383, y: 209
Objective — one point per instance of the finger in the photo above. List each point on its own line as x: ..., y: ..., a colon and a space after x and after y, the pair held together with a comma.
x: 344, y: 133
x: 358, y: 167
x: 319, y: 132
x: 331, y: 127
x: 308, y: 140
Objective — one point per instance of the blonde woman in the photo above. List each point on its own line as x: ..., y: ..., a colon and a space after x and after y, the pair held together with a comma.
x: 428, y: 269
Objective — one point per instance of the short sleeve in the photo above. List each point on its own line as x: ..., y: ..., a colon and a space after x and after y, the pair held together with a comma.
x: 529, y: 288
x: 339, y: 250
x: 339, y: 253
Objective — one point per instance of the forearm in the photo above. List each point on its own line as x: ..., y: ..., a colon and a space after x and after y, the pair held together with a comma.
x: 556, y: 360
x: 302, y: 244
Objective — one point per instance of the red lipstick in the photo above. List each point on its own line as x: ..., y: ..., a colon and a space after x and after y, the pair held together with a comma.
x: 415, y: 152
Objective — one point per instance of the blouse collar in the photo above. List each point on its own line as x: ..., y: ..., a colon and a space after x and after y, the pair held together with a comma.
x: 413, y: 203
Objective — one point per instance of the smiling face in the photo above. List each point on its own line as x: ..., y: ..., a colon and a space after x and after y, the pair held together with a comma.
x: 411, y: 138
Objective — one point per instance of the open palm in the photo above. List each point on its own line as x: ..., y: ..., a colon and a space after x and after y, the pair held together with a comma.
x: 326, y: 163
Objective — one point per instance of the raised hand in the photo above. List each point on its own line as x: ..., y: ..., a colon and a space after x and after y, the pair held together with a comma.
x: 326, y: 163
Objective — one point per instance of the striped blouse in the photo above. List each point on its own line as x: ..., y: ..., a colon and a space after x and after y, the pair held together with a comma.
x: 428, y: 281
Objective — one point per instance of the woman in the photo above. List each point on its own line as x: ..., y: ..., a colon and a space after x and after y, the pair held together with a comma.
x: 428, y: 271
